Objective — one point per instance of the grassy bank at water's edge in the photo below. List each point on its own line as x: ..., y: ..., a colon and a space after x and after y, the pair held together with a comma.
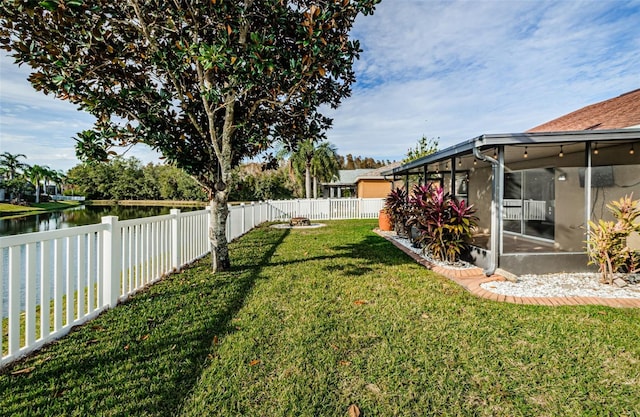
x: 308, y: 322
x: 164, y: 203
x: 35, y: 208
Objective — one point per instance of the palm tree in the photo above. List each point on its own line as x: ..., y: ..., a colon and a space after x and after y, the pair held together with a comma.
x: 35, y: 174
x: 60, y: 179
x: 319, y: 163
x: 301, y: 163
x: 11, y: 164
x: 324, y: 165
x: 49, y: 175
x: 11, y: 170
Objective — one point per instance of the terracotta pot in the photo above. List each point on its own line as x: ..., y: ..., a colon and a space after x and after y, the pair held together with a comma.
x: 384, y: 221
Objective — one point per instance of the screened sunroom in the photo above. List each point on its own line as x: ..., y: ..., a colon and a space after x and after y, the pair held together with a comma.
x: 534, y: 192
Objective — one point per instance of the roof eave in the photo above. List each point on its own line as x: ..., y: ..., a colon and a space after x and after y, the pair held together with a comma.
x: 448, y: 153
x: 492, y: 140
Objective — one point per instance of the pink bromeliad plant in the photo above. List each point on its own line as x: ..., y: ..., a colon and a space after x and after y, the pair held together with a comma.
x: 444, y: 223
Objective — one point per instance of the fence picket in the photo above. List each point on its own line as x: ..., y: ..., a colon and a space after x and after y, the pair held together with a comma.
x: 30, y: 294
x: 14, y: 299
x: 57, y: 290
x: 45, y: 288
x: 69, y: 281
x: 82, y: 275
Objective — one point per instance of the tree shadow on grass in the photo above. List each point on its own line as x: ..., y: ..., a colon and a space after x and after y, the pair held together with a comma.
x: 371, y: 250
x: 145, y: 356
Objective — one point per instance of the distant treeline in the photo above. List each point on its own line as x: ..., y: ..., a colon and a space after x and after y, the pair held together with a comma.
x: 359, y: 162
x: 129, y: 179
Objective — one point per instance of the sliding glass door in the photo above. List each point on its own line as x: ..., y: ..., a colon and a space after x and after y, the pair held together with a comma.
x: 529, y: 202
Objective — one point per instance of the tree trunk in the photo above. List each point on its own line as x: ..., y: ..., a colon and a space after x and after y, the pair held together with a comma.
x: 307, y: 181
x: 38, y: 193
x: 315, y: 187
x: 220, y: 260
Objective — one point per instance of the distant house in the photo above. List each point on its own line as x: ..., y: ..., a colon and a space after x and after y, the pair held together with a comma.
x: 535, y: 191
x: 375, y: 185
x: 344, y: 185
x: 361, y: 183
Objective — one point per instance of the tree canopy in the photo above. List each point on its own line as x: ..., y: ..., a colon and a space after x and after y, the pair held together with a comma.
x: 206, y: 83
x: 424, y: 147
x: 128, y: 179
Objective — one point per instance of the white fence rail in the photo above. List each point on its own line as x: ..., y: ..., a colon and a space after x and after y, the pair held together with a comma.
x: 52, y: 281
x: 59, y: 197
x: 328, y: 209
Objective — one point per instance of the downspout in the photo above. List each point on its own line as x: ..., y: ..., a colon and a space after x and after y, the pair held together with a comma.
x: 587, y: 189
x: 497, y: 169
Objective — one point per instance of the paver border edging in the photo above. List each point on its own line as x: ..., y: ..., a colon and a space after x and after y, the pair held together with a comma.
x: 471, y: 278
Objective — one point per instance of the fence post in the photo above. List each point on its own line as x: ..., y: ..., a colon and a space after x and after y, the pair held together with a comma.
x: 253, y: 214
x: 175, y: 239
x: 111, y: 262
x: 242, y: 225
x: 360, y: 208
x: 228, y: 225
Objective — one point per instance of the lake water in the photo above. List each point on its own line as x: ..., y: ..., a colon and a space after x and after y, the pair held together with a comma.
x: 79, y: 216
x: 75, y: 216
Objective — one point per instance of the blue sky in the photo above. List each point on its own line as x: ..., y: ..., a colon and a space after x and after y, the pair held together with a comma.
x: 447, y: 69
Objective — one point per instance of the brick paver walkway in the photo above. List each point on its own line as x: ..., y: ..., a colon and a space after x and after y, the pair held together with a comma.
x: 471, y: 278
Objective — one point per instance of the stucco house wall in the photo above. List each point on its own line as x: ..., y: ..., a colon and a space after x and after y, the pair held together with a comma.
x: 373, y: 188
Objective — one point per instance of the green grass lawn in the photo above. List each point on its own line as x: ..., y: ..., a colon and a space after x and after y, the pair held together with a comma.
x: 309, y: 322
x: 6, y: 208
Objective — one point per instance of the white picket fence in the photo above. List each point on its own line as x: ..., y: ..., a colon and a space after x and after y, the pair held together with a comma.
x: 328, y: 209
x: 51, y: 281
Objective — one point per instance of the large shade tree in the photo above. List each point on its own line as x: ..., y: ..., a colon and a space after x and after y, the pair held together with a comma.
x: 206, y: 83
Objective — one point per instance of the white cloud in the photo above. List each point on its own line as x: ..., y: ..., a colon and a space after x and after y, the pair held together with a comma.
x: 460, y: 69
x: 448, y: 69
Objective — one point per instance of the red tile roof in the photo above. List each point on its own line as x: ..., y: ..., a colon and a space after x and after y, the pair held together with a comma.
x: 616, y: 113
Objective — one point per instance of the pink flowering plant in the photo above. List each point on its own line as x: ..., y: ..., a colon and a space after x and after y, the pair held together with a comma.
x: 444, y: 224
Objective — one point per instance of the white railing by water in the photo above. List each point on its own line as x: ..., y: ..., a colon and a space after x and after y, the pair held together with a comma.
x: 59, y: 197
x: 51, y: 281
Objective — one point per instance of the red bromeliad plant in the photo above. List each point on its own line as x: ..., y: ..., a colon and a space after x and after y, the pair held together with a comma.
x: 444, y: 223
x: 397, y: 206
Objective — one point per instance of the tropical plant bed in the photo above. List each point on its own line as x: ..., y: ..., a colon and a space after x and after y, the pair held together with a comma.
x: 310, y: 322
x: 406, y: 242
x: 547, y: 285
